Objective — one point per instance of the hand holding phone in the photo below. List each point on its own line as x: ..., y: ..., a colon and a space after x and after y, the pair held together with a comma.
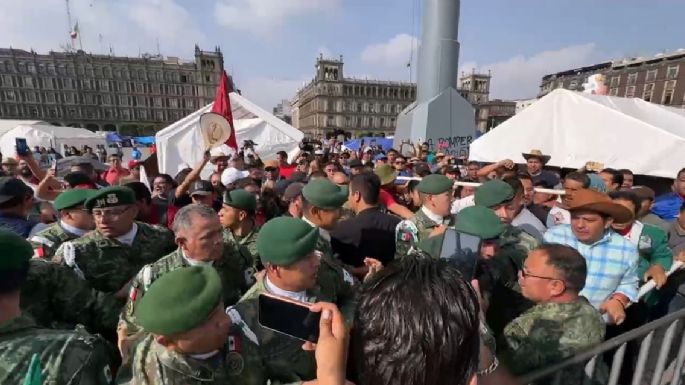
x: 22, y: 147
x: 289, y: 317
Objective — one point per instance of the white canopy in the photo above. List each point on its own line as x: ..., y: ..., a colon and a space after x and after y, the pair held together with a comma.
x: 8, y: 124
x: 181, y: 143
x: 48, y: 136
x: 575, y: 128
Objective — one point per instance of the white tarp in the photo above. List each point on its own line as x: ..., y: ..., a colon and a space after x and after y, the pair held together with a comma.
x: 48, y: 136
x: 575, y: 128
x: 9, y: 124
x: 181, y: 143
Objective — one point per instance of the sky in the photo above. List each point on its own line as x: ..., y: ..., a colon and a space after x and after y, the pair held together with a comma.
x: 270, y: 46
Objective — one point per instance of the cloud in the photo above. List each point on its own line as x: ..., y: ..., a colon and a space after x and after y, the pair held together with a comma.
x: 267, y: 92
x: 391, y: 57
x: 129, y: 26
x: 263, y: 17
x: 520, y: 76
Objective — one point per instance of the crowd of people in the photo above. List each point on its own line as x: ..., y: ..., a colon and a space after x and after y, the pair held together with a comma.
x: 107, y: 278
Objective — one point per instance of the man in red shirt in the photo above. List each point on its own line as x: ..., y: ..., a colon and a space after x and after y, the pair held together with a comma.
x: 115, y: 171
x: 285, y: 169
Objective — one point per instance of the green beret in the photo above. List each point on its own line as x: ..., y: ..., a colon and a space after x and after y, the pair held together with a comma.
x: 479, y: 221
x: 71, y: 198
x: 435, y: 184
x: 324, y: 194
x: 240, y: 199
x: 283, y: 241
x: 493, y: 193
x: 179, y: 300
x: 16, y: 251
x: 110, y: 197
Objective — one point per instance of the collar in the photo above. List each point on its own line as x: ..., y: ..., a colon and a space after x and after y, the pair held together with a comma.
x: 273, y: 289
x: 193, y: 262
x: 205, y: 356
x: 128, y: 238
x: 432, y: 216
x: 72, y: 229
x: 678, y: 229
x: 633, y: 233
x: 324, y: 233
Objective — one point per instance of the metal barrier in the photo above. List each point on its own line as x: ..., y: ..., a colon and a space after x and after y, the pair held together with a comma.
x: 592, y: 358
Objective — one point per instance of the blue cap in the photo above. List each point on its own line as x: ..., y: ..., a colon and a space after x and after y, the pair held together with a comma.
x: 380, y: 156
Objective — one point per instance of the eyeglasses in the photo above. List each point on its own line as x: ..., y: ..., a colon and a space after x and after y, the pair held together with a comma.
x: 526, y: 275
x: 112, y: 213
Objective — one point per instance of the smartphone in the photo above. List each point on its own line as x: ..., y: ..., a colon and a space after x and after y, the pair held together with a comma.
x: 22, y: 147
x: 461, y: 250
x: 289, y: 317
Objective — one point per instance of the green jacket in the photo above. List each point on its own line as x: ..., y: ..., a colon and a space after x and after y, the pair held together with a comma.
x: 55, y: 297
x: 247, y: 246
x: 46, y: 242
x: 108, y: 264
x: 67, y: 357
x: 549, y: 333
x: 653, y: 249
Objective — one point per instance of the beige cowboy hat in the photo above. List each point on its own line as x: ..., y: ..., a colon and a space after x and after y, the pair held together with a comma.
x: 591, y: 200
x: 537, y: 154
x: 215, y: 129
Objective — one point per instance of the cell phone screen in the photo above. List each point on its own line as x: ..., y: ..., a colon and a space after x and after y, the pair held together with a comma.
x: 22, y: 147
x: 462, y: 250
x: 289, y: 318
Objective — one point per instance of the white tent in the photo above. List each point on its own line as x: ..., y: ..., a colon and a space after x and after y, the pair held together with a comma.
x: 181, y: 143
x: 9, y: 124
x: 48, y: 136
x: 575, y: 128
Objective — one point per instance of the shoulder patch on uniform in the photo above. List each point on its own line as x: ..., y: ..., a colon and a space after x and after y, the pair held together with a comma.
x: 406, y: 231
x: 69, y: 254
x: 235, y: 363
x: 235, y: 317
x: 42, y: 240
x: 147, y: 277
x: 347, y: 277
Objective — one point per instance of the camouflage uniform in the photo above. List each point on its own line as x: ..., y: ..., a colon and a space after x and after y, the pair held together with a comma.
x: 411, y: 231
x: 108, y: 264
x: 549, y: 333
x: 246, y: 246
x: 67, y: 357
x: 54, y: 296
x: 500, y: 279
x: 46, y: 242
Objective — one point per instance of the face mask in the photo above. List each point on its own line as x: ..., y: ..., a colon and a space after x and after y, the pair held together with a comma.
x: 193, y: 262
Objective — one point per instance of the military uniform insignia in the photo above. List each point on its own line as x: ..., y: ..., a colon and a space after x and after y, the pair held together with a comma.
x: 235, y: 363
x: 107, y: 374
x: 250, y: 276
x: 347, y: 277
x: 406, y: 231
x: 132, y: 296
x: 112, y: 199
x: 645, y: 243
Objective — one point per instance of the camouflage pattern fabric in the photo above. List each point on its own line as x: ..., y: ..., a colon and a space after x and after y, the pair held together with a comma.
x: 246, y: 246
x: 55, y: 297
x: 411, y: 231
x: 67, y: 357
x: 549, y: 333
x: 108, y: 264
x: 46, y: 242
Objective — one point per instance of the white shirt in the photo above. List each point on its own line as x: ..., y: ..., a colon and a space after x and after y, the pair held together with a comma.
x: 273, y: 289
x: 460, y: 204
x: 72, y: 229
x: 432, y: 216
x: 324, y: 233
x: 558, y: 216
x: 128, y: 238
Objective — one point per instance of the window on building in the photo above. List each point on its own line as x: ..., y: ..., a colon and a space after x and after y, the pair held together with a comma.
x: 382, y: 122
x: 125, y: 114
x: 560, y: 84
x: 669, y: 89
x: 140, y: 88
x: 30, y: 97
x: 10, y: 96
x: 173, y: 102
x: 613, y: 92
x: 649, y: 91
x: 573, y: 85
x: 50, y: 97
x: 159, y: 115
x: 632, y: 78
x: 672, y: 72
x: 651, y: 75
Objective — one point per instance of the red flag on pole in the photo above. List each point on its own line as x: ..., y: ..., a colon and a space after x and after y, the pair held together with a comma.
x: 222, y: 106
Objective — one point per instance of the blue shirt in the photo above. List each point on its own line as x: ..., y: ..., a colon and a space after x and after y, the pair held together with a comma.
x: 611, y: 264
x: 667, y: 206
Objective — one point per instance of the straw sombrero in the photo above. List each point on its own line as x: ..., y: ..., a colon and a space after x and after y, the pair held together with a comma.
x: 537, y: 154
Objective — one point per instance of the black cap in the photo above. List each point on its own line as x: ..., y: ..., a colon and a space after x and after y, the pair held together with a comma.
x: 355, y: 163
x: 453, y: 170
x: 11, y: 187
x: 201, y: 187
x: 298, y: 176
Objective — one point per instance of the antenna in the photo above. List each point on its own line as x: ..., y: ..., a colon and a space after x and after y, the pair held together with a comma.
x: 159, y: 53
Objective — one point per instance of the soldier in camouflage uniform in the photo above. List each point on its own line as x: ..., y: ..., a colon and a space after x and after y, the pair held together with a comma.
x: 322, y: 202
x: 198, y: 234
x: 237, y: 217
x: 436, y: 195
x: 119, y: 247
x: 74, y: 222
x: 287, y: 247
x: 66, y: 357
x: 562, y: 323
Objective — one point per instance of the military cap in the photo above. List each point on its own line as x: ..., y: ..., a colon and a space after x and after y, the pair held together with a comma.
x: 479, y: 221
x: 283, y: 241
x: 325, y: 194
x: 71, y: 198
x: 240, y: 199
x: 434, y: 184
x: 110, y: 197
x: 11, y: 187
x: 493, y: 193
x: 16, y: 251
x: 179, y: 300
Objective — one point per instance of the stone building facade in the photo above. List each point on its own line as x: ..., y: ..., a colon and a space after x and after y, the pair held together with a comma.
x: 100, y: 92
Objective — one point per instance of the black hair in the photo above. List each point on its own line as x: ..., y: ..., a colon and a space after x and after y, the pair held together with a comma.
x: 616, y: 176
x: 515, y: 183
x: 416, y: 323
x: 682, y: 170
x: 13, y: 279
x: 244, y: 182
x: 167, y: 178
x: 625, y: 171
x: 627, y: 195
x: 412, y: 185
x: 568, y: 262
x: 473, y: 163
x: 368, y: 185
x: 77, y: 178
x: 141, y: 191
x: 179, y: 178
x: 13, y: 202
x: 579, y: 177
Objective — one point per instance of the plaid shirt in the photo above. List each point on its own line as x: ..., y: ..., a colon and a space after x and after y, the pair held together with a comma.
x: 611, y: 264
